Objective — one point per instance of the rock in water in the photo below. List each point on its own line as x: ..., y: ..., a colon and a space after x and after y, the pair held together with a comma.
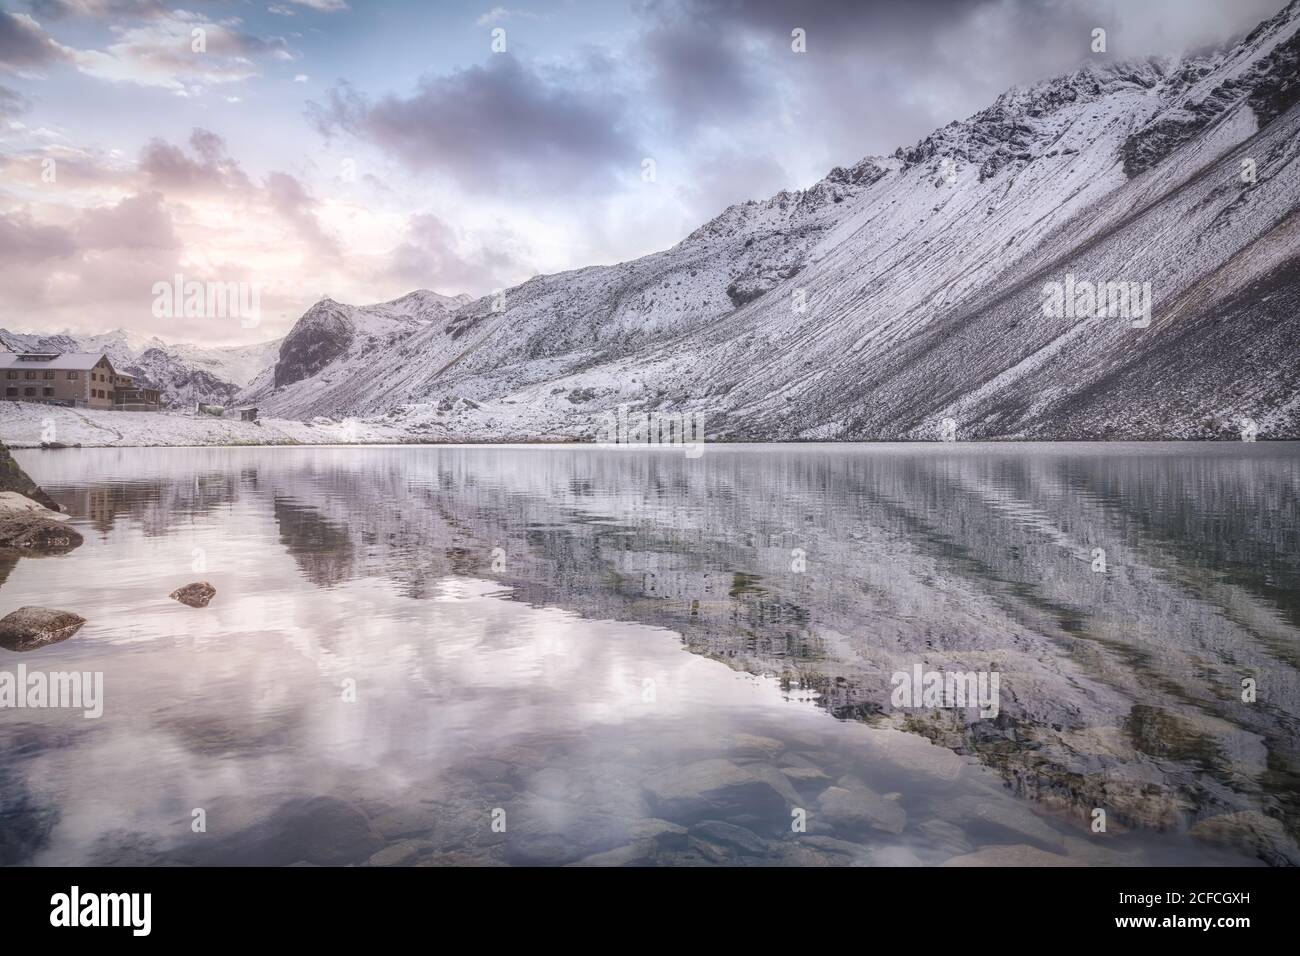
x: 31, y: 627
x: 197, y: 594
x: 13, y: 478
x: 1019, y: 854
x: 27, y: 525
x: 1253, y: 832
x: 30, y: 522
x: 719, y: 788
x: 13, y: 501
x: 861, y: 808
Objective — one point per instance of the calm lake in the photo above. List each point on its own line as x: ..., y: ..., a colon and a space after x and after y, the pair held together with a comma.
x: 551, y: 655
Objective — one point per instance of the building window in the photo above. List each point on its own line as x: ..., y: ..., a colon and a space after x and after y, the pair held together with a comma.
x: 47, y: 392
x: 11, y: 392
x: 29, y: 391
x: 49, y: 375
x: 72, y: 376
x: 29, y: 374
x: 11, y: 374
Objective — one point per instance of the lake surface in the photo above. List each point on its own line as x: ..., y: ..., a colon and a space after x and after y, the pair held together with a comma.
x: 551, y: 655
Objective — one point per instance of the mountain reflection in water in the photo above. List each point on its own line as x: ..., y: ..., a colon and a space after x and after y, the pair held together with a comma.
x: 635, y: 657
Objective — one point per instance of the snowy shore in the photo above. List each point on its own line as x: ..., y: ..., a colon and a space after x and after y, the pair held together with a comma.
x: 26, y: 424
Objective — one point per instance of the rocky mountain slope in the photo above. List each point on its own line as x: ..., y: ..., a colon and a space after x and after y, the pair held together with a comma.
x: 906, y: 290
x: 184, y: 373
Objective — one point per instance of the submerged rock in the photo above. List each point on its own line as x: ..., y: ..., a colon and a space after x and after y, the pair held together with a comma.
x: 413, y: 821
x: 650, y: 840
x: 713, y: 788
x: 1014, y: 855
x: 1003, y: 821
x: 861, y: 808
x: 551, y: 833
x: 732, y: 838
x: 197, y: 594
x: 1252, y: 832
x: 753, y: 745
x: 894, y: 856
x: 31, y: 627
x: 630, y: 855
x: 945, y: 837
x: 320, y: 830
x: 805, y: 775
x: 402, y: 853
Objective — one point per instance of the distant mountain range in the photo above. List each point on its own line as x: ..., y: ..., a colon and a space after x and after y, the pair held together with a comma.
x: 987, y: 281
x: 185, y: 374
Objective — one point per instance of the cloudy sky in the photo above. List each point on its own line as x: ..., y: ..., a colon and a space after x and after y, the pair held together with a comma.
x: 364, y: 148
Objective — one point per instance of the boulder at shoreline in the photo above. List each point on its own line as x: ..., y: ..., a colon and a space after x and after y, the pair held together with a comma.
x: 13, y: 478
x: 31, y: 627
x: 28, y: 526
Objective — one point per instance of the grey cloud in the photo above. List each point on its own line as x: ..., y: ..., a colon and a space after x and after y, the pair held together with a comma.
x: 291, y: 200
x: 168, y: 167
x: 700, y: 75
x: 75, y: 168
x: 137, y: 222
x: 886, y: 73
x: 12, y: 102
x: 728, y: 176
x: 212, y: 170
x: 158, y: 52
x: 325, y: 6
x: 58, y: 9
x: 24, y: 242
x: 429, y: 257
x: 23, y: 43
x: 498, y: 128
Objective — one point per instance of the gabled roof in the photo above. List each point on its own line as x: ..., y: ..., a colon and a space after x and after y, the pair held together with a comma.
x: 71, y: 361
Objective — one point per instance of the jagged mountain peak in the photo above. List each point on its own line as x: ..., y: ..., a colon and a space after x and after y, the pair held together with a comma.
x: 422, y: 302
x: 794, y: 206
x: 326, y: 304
x: 1184, y: 94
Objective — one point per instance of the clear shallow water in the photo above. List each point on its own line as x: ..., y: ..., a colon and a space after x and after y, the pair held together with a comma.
x: 613, y: 649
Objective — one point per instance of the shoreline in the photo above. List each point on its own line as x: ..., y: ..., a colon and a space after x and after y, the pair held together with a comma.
x: 720, y: 443
x: 31, y: 426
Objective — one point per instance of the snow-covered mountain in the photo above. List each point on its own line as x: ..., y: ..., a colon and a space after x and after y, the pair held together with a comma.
x: 907, y: 289
x: 184, y: 373
x: 334, y: 343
